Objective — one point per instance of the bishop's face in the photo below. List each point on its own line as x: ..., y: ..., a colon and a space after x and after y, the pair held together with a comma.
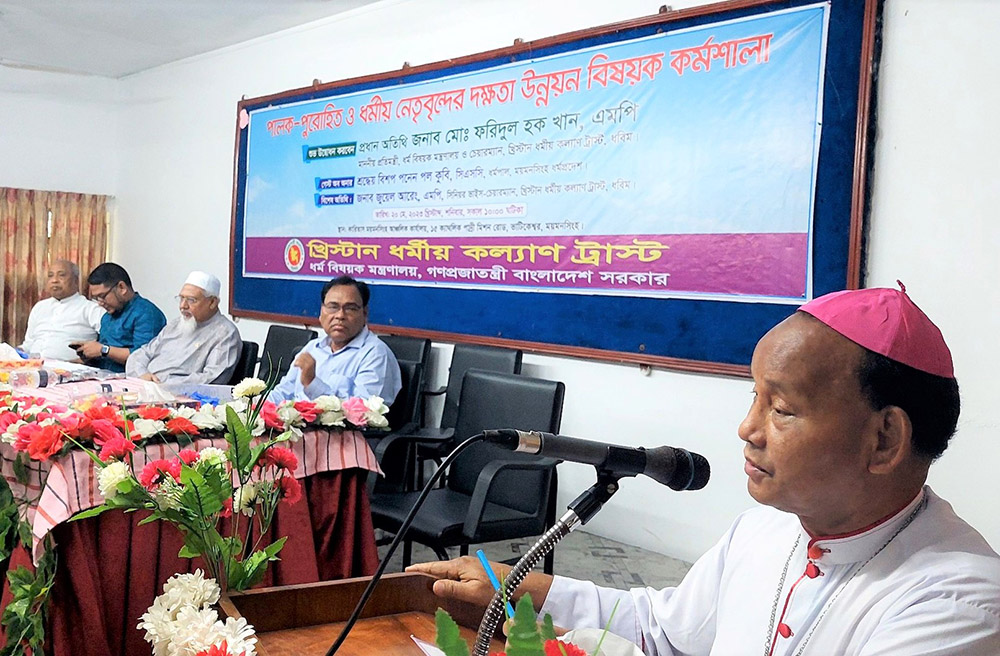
x: 809, y: 431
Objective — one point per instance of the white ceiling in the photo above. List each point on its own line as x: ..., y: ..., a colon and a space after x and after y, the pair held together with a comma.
x: 115, y: 38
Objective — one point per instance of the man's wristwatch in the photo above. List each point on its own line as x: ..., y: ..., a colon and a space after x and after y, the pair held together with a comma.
x: 105, y: 349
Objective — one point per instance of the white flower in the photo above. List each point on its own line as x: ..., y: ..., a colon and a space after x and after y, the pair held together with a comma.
x: 10, y: 435
x: 49, y: 421
x: 198, y: 629
x: 148, y: 427
x: 375, y: 416
x: 184, y: 411
x: 158, y: 623
x: 193, y: 587
x: 168, y: 494
x: 205, y: 418
x: 327, y: 403
x: 331, y: 418
x: 111, y: 476
x: 289, y: 415
x: 239, y: 636
x: 249, y: 387
x: 212, y: 457
x: 244, y: 497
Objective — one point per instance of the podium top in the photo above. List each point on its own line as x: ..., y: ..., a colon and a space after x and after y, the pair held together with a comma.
x: 304, y: 620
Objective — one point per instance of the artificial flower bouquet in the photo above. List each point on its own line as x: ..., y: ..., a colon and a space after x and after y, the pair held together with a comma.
x: 43, y: 430
x: 182, y: 622
x: 222, y: 500
x: 525, y: 635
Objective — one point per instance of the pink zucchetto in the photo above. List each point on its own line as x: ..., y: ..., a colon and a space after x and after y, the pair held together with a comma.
x: 887, y: 322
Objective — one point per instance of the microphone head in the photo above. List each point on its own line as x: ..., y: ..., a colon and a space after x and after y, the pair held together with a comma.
x: 678, y: 469
x: 702, y: 472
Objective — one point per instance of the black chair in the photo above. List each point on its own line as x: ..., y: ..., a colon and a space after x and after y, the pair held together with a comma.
x: 437, y: 442
x: 414, y: 349
x: 280, y: 347
x: 246, y: 364
x: 491, y: 494
x: 402, y: 417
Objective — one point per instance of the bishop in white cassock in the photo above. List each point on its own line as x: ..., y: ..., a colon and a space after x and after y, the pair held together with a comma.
x: 851, y: 554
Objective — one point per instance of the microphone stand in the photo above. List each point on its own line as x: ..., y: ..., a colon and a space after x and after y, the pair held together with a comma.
x: 581, y: 510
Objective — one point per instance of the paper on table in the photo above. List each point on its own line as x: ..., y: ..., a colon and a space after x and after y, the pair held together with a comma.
x: 427, y: 647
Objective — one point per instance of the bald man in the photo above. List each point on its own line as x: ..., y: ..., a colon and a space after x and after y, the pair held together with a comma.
x: 850, y: 552
x: 200, y: 346
x: 65, y: 317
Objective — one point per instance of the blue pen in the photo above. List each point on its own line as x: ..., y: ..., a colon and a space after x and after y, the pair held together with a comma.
x: 493, y: 578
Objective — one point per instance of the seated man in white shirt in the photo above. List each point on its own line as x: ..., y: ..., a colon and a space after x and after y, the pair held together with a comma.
x: 851, y: 552
x: 200, y: 346
x: 65, y: 318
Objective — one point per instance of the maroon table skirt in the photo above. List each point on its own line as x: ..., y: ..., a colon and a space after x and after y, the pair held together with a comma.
x: 110, y: 570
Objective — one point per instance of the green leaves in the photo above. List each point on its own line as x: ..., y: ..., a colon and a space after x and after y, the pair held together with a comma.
x: 202, y: 493
x: 9, y: 519
x: 238, y: 436
x: 24, y: 616
x: 20, y: 468
x: 523, y: 638
x: 448, y: 638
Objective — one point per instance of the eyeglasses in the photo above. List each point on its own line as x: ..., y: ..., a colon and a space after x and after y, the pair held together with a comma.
x: 188, y: 300
x: 348, y: 308
x: 100, y: 297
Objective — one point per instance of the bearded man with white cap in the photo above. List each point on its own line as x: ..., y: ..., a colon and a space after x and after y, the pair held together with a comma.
x: 851, y: 553
x: 200, y: 346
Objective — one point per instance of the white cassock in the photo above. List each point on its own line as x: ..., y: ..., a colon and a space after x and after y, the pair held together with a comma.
x: 922, y: 582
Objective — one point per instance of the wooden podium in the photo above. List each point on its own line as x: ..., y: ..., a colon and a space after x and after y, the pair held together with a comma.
x: 304, y: 620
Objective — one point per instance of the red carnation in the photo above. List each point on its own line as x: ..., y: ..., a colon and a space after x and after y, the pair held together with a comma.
x: 291, y: 489
x: 45, y: 442
x: 153, y: 412
x: 227, y: 508
x: 155, y: 472
x: 104, y: 431
x: 281, y: 458
x: 188, y: 456
x: 269, y: 413
x: 552, y: 648
x: 76, y: 425
x: 117, y: 447
x: 308, y: 410
x: 179, y: 425
x: 101, y: 412
x: 7, y: 418
x: 221, y: 649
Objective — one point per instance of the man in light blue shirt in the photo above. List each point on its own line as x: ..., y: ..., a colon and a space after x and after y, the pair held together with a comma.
x: 349, y: 360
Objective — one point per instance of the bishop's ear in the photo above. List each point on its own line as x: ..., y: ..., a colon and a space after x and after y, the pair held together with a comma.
x: 894, y: 440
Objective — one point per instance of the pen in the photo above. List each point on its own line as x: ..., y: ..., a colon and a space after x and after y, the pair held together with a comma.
x: 493, y: 578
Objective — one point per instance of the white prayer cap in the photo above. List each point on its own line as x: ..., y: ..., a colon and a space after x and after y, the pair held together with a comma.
x: 205, y: 281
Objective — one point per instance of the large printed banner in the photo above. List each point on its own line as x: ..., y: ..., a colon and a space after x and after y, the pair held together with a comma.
x: 681, y: 164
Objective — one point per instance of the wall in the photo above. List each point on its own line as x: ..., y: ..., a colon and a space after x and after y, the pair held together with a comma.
x: 58, y: 132
x: 934, y: 189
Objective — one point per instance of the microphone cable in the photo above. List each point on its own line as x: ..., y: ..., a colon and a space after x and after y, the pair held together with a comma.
x: 363, y: 601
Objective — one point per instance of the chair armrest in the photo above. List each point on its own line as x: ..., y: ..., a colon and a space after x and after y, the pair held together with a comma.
x: 438, y: 392
x: 487, y: 477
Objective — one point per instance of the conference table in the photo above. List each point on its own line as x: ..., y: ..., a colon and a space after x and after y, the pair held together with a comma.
x: 110, y: 568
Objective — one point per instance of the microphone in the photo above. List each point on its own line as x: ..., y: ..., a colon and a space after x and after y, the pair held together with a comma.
x: 678, y: 469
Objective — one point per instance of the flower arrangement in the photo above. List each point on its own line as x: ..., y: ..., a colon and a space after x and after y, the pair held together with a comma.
x: 181, y: 621
x: 43, y: 430
x: 222, y: 500
x: 525, y: 636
